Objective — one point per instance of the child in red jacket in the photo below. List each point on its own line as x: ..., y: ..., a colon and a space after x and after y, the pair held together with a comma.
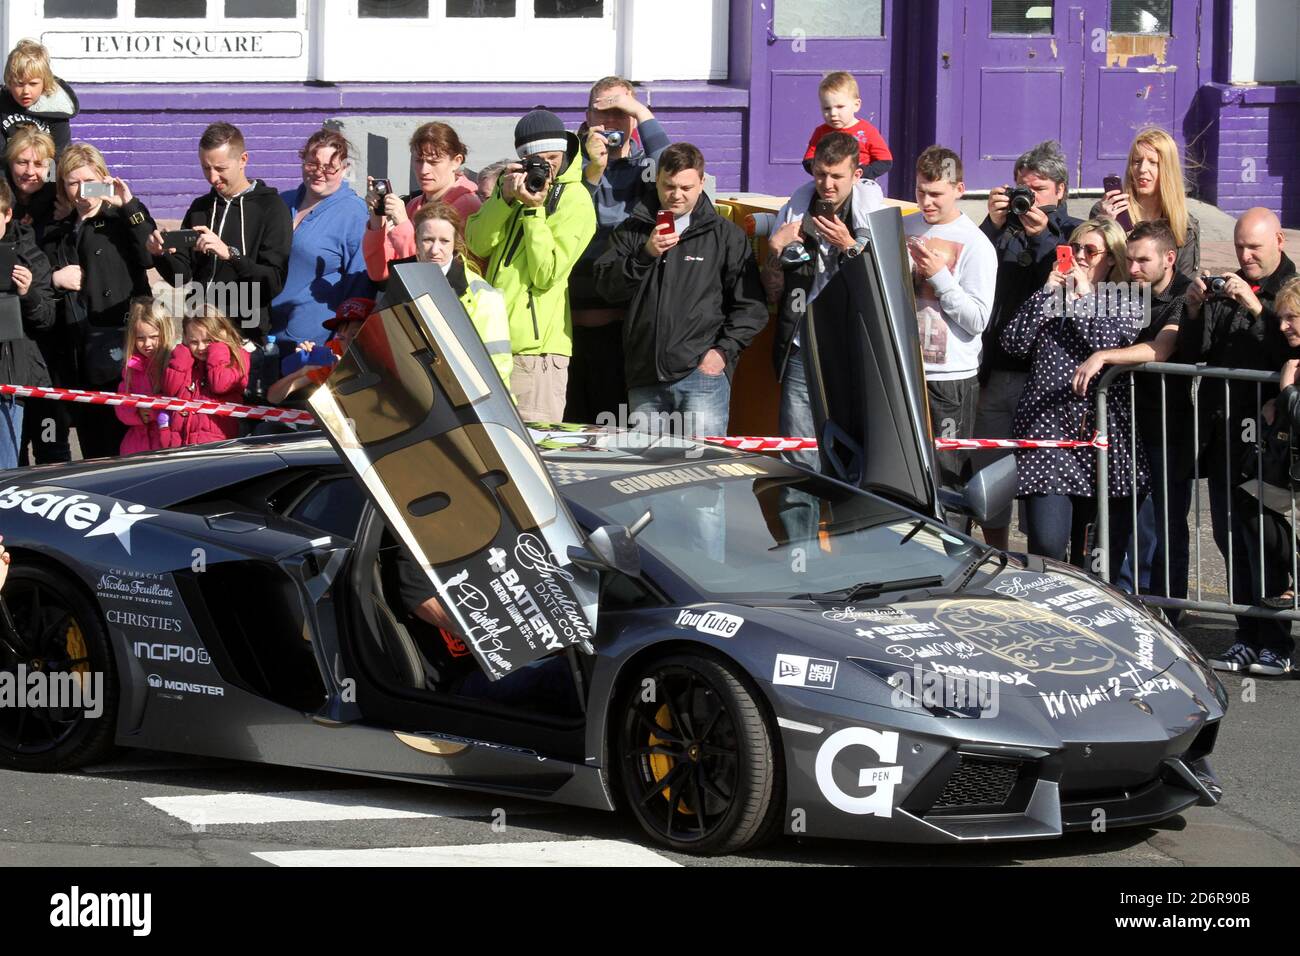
x: 841, y: 101
x: 150, y: 338
x: 210, y: 365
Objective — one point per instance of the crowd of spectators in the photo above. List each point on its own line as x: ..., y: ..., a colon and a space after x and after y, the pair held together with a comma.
x: 602, y: 279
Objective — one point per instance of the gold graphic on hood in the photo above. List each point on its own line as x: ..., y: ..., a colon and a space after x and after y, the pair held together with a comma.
x: 1031, y: 638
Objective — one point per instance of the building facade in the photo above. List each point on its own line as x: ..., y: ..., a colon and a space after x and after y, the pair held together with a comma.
x: 736, y: 77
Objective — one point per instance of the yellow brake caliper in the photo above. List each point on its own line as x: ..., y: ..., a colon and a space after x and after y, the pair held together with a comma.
x: 75, y: 643
x: 661, y: 764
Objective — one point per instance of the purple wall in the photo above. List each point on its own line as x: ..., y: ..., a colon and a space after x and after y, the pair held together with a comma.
x: 149, y: 134
x: 1252, y: 149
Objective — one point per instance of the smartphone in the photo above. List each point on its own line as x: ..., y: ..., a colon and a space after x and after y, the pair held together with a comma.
x: 1114, y: 184
x: 180, y: 238
x: 1064, y: 260
x: 823, y: 208
x: 8, y: 259
x: 91, y: 190
x: 665, y: 222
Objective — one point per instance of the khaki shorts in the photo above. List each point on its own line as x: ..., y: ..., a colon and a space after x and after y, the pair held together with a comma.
x: 540, y: 384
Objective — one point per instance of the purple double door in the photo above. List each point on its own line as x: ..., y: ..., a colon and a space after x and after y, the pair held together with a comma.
x: 1088, y: 73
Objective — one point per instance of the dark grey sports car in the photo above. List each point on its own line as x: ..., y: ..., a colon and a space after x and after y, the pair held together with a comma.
x: 721, y: 643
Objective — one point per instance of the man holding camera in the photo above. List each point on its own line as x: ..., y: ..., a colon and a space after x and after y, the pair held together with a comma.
x: 695, y: 298
x: 244, y: 234
x: 531, y: 232
x: 1025, y: 223
x: 954, y: 273
x: 622, y: 141
x: 822, y: 225
x: 1231, y: 322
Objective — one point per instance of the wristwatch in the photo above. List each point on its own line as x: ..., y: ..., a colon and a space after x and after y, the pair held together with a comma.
x: 235, y: 254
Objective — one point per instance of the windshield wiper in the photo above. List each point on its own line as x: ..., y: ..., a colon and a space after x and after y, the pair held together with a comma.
x: 870, y: 589
x: 958, y: 580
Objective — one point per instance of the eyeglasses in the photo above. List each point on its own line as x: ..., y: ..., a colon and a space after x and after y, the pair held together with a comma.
x: 1085, y: 253
x: 318, y: 168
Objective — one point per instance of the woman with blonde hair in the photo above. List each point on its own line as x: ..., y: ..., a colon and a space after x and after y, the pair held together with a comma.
x: 101, y: 261
x: 1154, y: 189
x: 150, y: 338
x: 1073, y: 316
x: 209, y: 365
x: 29, y: 155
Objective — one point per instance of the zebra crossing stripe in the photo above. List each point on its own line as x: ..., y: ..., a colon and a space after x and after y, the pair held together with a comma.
x: 324, y: 805
x: 548, y: 853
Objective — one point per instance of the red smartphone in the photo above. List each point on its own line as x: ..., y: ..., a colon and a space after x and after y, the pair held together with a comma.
x: 1064, y: 260
x: 665, y: 221
x: 1114, y: 184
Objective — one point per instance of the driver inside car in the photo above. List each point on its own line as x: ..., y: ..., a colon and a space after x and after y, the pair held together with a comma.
x: 545, y: 685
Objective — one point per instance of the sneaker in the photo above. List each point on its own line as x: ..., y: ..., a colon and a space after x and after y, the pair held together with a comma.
x: 1238, y: 657
x: 1271, y: 663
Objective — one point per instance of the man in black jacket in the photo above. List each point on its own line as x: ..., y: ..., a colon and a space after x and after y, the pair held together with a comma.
x: 1238, y: 327
x: 1026, y: 246
x: 20, y: 359
x: 695, y: 299
x: 245, y: 230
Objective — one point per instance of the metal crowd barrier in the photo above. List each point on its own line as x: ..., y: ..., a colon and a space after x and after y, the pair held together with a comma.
x: 1200, y: 375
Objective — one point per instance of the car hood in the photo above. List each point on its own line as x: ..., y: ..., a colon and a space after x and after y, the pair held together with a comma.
x: 1034, y: 633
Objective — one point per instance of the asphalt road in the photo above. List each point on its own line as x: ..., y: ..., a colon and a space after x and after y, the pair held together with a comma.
x: 146, y: 809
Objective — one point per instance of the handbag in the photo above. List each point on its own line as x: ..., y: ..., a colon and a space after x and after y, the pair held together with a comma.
x: 100, y: 355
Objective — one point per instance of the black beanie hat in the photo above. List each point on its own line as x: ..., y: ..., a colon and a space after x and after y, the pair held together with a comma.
x: 540, y: 131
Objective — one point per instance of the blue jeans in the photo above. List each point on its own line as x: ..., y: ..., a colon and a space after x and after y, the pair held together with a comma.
x: 1051, y: 519
x: 11, y: 432
x: 699, y: 404
x: 796, y: 414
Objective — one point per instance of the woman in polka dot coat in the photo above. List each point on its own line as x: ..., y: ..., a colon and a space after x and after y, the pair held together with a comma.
x: 1062, y: 324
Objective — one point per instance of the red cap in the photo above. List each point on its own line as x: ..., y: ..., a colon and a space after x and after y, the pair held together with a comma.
x: 350, y: 310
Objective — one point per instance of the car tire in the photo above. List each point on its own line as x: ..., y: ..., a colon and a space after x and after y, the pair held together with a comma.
x: 697, y: 759
x: 62, y: 630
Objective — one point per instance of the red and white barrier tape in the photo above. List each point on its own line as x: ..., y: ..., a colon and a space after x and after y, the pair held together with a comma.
x: 940, y: 444
x: 161, y: 404
x: 294, y: 417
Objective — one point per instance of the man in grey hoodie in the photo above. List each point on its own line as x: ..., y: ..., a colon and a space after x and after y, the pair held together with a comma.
x: 622, y: 141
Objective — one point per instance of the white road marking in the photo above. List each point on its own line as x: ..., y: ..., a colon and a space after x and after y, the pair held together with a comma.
x: 321, y: 805
x: 550, y: 853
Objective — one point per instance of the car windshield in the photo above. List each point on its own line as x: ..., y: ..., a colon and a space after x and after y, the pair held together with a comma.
x: 754, y: 530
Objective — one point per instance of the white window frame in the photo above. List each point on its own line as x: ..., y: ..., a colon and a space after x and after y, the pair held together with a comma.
x: 287, y: 57
x: 520, y: 49
x: 635, y: 38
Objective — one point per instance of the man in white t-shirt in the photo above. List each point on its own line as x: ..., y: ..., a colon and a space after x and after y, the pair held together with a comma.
x: 954, y: 273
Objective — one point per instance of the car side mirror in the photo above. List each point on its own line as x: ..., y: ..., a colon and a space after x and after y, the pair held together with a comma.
x: 612, y: 547
x: 991, y: 490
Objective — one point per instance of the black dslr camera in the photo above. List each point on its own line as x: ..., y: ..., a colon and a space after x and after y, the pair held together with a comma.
x: 536, y: 172
x: 1021, y: 198
x: 1216, y: 286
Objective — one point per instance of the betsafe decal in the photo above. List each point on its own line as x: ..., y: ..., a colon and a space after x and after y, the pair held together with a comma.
x: 77, y: 512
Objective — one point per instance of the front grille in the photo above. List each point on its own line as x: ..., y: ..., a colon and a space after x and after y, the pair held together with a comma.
x: 979, y: 782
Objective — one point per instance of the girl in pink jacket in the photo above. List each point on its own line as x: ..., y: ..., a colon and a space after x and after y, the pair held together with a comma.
x: 210, y: 365
x: 437, y: 155
x: 150, y: 338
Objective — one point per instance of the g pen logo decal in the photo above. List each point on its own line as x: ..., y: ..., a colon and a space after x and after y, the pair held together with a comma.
x: 883, y: 779
x: 76, y: 512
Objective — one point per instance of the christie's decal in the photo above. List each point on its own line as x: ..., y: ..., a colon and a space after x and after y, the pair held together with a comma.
x: 77, y: 512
